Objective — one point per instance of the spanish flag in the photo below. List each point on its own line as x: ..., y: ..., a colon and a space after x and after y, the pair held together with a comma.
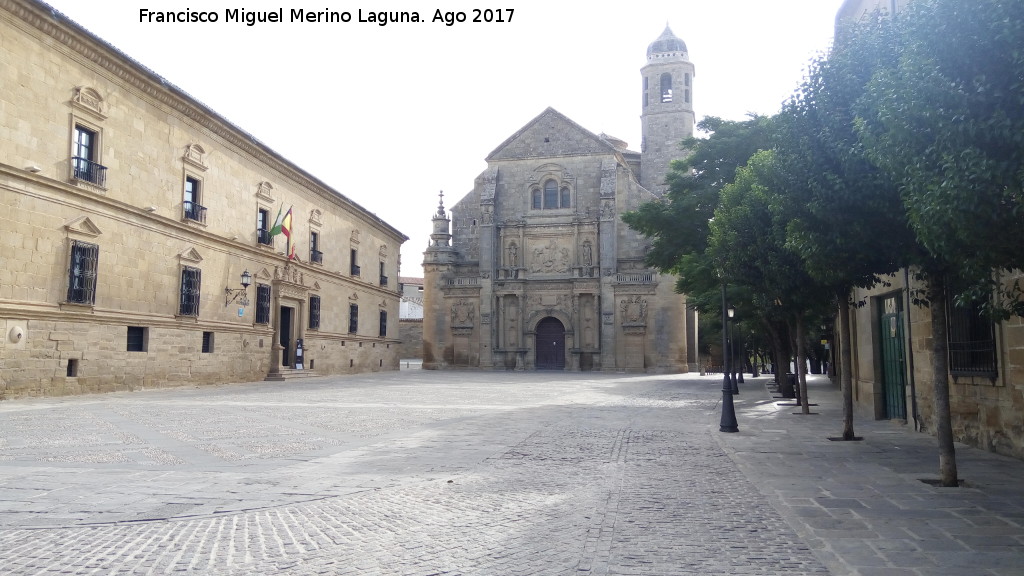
x: 283, y: 223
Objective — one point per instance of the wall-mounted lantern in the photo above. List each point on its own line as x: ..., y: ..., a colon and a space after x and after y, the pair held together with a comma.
x: 240, y: 294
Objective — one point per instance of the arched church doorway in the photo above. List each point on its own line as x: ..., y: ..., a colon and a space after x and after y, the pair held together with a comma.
x: 550, y: 342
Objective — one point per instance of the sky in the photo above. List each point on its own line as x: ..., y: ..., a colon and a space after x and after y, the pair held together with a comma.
x: 391, y: 115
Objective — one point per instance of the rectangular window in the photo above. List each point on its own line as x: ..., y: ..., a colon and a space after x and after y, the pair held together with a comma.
x: 972, y: 342
x: 314, y: 312
x: 137, y: 336
x: 207, y: 342
x: 72, y: 368
x: 353, y: 257
x: 353, y: 318
x: 192, y: 208
x: 82, y: 272
x: 191, y: 279
x: 315, y: 255
x: 263, y: 228
x: 84, y: 159
x: 383, y: 323
x: 383, y: 278
x: 262, y: 304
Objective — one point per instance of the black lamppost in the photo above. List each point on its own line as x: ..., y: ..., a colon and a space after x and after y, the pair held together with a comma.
x: 728, y: 422
x: 731, y: 312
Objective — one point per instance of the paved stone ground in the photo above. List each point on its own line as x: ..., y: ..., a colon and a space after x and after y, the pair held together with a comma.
x: 419, y: 473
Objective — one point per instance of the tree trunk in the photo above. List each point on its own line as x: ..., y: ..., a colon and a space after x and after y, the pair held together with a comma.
x: 801, y: 365
x: 940, y: 368
x: 846, y: 365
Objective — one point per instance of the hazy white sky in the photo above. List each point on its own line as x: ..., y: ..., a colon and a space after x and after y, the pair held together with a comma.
x: 390, y: 115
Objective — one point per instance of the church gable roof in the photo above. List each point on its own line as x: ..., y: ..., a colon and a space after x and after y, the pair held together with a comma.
x: 550, y: 134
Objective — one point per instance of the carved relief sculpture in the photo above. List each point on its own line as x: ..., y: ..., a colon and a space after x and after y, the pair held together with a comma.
x: 550, y: 259
x: 634, y: 310
x: 463, y: 314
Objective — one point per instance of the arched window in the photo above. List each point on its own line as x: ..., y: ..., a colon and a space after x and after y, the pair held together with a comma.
x: 550, y: 194
x: 666, y: 87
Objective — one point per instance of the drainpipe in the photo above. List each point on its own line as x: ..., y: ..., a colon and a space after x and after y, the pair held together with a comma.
x: 910, y: 356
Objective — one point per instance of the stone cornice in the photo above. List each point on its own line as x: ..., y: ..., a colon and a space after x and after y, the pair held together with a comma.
x: 91, y: 48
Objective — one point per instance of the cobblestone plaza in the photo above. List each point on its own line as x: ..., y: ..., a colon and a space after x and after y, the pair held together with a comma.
x: 419, y: 473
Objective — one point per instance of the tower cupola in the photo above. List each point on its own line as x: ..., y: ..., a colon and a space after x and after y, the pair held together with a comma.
x: 668, y: 45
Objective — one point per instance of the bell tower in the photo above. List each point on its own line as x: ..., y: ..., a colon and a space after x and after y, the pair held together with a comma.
x: 667, y: 118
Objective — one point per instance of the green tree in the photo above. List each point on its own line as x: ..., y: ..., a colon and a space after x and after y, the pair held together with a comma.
x: 678, y: 222
x: 847, y: 221
x: 748, y: 239
x: 946, y: 121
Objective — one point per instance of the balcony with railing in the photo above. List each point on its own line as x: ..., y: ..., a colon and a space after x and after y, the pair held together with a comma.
x: 355, y: 270
x: 635, y: 278
x: 316, y: 256
x: 383, y: 280
x: 194, y: 212
x: 264, y: 238
x: 88, y: 171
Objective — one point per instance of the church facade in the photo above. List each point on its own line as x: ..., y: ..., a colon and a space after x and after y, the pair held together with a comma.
x: 534, y: 269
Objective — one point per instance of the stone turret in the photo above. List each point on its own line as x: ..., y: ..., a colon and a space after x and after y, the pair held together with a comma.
x: 667, y: 118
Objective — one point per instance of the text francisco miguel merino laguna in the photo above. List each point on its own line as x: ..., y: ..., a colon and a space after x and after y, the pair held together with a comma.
x: 380, y: 18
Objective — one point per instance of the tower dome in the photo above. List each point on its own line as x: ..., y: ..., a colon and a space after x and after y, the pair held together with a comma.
x: 668, y: 44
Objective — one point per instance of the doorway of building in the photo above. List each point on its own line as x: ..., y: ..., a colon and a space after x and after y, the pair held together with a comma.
x: 550, y: 342
x: 285, y: 329
x: 893, y: 357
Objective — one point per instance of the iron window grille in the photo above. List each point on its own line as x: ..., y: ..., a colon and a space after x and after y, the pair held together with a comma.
x: 383, y: 323
x: 353, y: 318
x: 262, y: 304
x: 89, y: 171
x: 314, y: 312
x: 354, y: 269
x: 136, y: 339
x: 971, y: 341
x: 82, y: 273
x: 191, y: 280
x: 194, y: 212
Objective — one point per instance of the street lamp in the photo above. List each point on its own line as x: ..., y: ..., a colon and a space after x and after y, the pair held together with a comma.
x: 232, y: 294
x: 732, y: 352
x: 728, y: 422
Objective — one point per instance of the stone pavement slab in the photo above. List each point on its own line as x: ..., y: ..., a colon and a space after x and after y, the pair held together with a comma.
x: 418, y: 472
x: 862, y: 506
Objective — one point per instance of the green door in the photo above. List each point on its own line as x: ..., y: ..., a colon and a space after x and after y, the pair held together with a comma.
x: 893, y: 369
